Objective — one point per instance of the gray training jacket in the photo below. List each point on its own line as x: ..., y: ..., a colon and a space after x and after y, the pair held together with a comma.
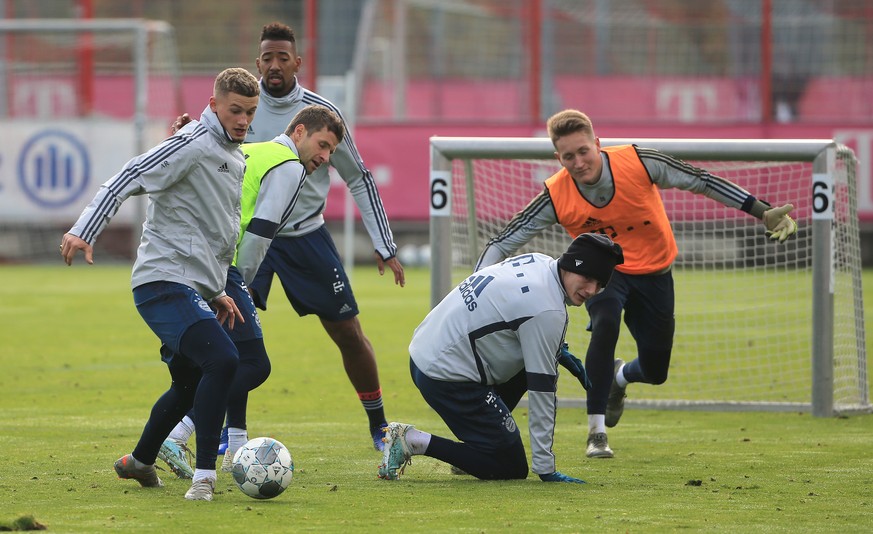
x: 194, y: 183
x: 271, y: 119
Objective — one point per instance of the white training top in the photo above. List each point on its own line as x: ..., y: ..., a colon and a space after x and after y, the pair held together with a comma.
x: 501, y: 320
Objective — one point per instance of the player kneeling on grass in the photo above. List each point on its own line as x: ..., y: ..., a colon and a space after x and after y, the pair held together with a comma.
x: 497, y: 335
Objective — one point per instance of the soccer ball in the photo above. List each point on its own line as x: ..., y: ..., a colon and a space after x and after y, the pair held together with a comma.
x: 262, y: 468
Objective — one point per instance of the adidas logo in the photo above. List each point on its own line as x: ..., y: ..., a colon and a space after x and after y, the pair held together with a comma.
x: 251, y: 130
x: 345, y: 309
x: 223, y: 168
x: 472, y: 288
x: 578, y: 263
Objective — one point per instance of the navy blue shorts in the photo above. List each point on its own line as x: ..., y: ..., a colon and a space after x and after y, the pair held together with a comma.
x: 170, y: 308
x: 649, y: 305
x: 475, y: 414
x: 312, y: 275
x: 237, y: 290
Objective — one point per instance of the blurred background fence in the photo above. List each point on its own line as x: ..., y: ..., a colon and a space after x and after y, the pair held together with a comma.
x: 404, y: 70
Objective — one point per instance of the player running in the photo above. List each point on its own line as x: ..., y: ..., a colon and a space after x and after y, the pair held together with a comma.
x: 193, y: 181
x: 276, y: 172
x: 614, y: 191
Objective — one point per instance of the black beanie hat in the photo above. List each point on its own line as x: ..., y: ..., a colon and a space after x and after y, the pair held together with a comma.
x: 592, y: 255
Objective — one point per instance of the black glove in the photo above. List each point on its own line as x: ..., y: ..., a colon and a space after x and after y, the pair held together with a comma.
x: 574, y: 365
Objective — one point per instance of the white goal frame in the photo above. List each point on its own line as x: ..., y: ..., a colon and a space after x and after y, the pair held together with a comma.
x: 35, y: 240
x: 822, y: 153
x: 140, y: 28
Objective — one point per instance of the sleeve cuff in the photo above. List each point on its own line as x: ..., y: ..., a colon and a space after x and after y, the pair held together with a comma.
x: 755, y: 207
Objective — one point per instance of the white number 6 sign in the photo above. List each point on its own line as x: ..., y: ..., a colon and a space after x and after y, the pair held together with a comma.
x: 822, y: 197
x: 440, y: 194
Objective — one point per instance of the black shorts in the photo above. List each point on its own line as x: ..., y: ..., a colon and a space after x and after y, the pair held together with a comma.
x: 312, y: 275
x: 475, y: 413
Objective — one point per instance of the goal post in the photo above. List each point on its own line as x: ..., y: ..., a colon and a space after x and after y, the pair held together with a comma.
x: 83, y: 96
x: 760, y: 325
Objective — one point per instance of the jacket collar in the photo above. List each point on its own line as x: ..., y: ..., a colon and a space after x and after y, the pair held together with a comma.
x: 209, y: 119
x: 281, y: 102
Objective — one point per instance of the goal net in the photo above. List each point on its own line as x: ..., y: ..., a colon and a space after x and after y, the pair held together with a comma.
x: 759, y: 325
x: 83, y: 97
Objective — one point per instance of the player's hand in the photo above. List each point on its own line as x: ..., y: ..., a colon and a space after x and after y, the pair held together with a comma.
x: 226, y: 310
x: 557, y: 476
x: 394, y: 264
x: 574, y: 365
x: 70, y: 244
x: 180, y: 121
x: 779, y: 225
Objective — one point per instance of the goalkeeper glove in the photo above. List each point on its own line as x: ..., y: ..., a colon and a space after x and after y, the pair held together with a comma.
x: 560, y: 477
x: 779, y: 225
x: 574, y: 365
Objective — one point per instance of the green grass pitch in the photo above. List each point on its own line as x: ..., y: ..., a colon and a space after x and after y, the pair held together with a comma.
x: 80, y: 371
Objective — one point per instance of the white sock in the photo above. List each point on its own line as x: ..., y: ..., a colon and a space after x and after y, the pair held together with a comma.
x: 619, y: 377
x: 596, y: 423
x: 417, y: 441
x: 182, y: 431
x: 236, y: 438
x: 200, y: 474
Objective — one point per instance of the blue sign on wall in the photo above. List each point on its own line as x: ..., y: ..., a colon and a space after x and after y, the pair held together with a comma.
x: 53, y: 168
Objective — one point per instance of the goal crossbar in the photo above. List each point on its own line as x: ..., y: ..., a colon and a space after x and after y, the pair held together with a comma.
x: 88, y: 94
x: 822, y: 154
x: 699, y: 149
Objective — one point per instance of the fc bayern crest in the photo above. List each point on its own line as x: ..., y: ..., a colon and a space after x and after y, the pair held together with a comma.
x: 509, y: 422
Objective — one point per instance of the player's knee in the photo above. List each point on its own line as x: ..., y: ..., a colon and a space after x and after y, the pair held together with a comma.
x: 224, y: 366
x: 206, y: 344
x: 503, y: 469
x: 514, y: 462
x: 510, y: 463
x: 657, y: 379
x: 606, y: 319
x: 266, y: 368
x: 254, y: 359
x: 655, y: 374
x: 258, y: 374
x: 518, y: 471
x: 348, y: 335
x: 223, y: 361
